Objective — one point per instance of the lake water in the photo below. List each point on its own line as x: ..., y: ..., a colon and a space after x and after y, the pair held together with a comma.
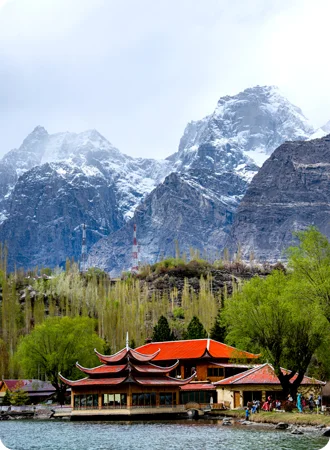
x: 179, y: 435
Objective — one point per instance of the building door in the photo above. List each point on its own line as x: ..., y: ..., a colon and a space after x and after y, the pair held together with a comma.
x: 249, y: 396
x: 237, y: 399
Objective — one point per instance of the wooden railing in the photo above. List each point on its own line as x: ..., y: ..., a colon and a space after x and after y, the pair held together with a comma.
x: 148, y: 407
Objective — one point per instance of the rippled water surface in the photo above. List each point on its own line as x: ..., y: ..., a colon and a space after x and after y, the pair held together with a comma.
x: 201, y: 435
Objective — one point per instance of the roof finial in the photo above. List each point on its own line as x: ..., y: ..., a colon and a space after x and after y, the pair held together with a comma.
x: 208, y: 342
x: 127, y: 341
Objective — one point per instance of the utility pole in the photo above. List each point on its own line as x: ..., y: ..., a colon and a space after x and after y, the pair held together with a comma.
x: 83, y: 265
x: 135, y: 258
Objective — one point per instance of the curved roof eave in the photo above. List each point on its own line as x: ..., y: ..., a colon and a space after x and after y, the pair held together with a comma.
x: 163, y: 369
x: 92, y: 369
x: 70, y: 382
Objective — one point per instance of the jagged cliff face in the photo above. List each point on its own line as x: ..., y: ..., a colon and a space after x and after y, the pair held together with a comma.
x: 195, y: 209
x: 90, y: 152
x: 217, y: 158
x: 290, y: 192
x: 46, y: 209
x: 18, y: 161
x: 54, y: 183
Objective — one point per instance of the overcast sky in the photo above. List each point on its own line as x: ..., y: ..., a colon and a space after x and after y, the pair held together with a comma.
x: 139, y: 70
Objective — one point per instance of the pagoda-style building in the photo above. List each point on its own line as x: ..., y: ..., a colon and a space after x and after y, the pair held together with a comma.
x: 211, y: 360
x: 126, y: 383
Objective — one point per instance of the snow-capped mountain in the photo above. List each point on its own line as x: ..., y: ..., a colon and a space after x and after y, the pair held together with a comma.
x: 194, y: 209
x: 321, y: 132
x: 243, y: 129
x: 93, y: 155
x: 46, y: 209
x: 53, y: 183
x: 217, y: 157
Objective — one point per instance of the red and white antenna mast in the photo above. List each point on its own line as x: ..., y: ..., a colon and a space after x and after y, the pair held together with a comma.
x: 83, y: 265
x: 135, y: 259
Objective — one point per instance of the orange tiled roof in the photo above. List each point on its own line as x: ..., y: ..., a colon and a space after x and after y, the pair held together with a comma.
x: 145, y: 381
x: 150, y: 381
x: 104, y: 369
x: 262, y: 374
x: 198, y: 387
x: 93, y: 381
x: 143, y: 368
x: 193, y: 349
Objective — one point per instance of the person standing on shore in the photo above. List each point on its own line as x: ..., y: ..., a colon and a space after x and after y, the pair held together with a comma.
x: 299, y: 404
x: 270, y: 403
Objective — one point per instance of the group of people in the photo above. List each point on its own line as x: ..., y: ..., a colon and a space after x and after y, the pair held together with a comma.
x: 270, y: 404
x: 311, y: 403
x: 252, y: 407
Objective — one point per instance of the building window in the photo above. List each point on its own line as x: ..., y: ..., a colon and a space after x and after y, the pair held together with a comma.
x: 215, y: 372
x: 114, y: 400
x: 76, y: 401
x: 197, y: 396
x: 144, y: 399
x: 167, y: 398
x: 176, y: 373
x: 86, y: 401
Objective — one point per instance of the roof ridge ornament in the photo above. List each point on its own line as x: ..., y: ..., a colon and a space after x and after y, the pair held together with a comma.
x: 127, y: 341
x: 208, y: 342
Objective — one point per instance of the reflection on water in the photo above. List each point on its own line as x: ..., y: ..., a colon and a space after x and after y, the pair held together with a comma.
x: 169, y: 435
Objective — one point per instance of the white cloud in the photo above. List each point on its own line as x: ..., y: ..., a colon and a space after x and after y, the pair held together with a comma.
x: 138, y: 71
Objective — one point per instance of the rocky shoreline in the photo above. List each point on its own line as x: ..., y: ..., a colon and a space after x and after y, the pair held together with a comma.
x: 42, y: 414
x: 293, y: 428
x: 28, y: 412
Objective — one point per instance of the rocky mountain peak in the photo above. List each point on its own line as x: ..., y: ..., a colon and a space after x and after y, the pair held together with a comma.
x: 39, y: 129
x: 35, y: 141
x: 289, y: 193
x: 326, y: 127
x: 55, y: 182
x: 255, y: 93
x: 321, y: 132
x: 249, y: 125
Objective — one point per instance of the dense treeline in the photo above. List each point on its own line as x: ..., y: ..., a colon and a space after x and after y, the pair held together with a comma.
x: 118, y: 306
x: 282, y: 313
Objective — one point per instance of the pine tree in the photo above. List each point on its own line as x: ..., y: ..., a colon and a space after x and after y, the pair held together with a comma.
x: 162, y: 331
x: 6, y: 399
x: 218, y: 332
x: 195, y: 329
